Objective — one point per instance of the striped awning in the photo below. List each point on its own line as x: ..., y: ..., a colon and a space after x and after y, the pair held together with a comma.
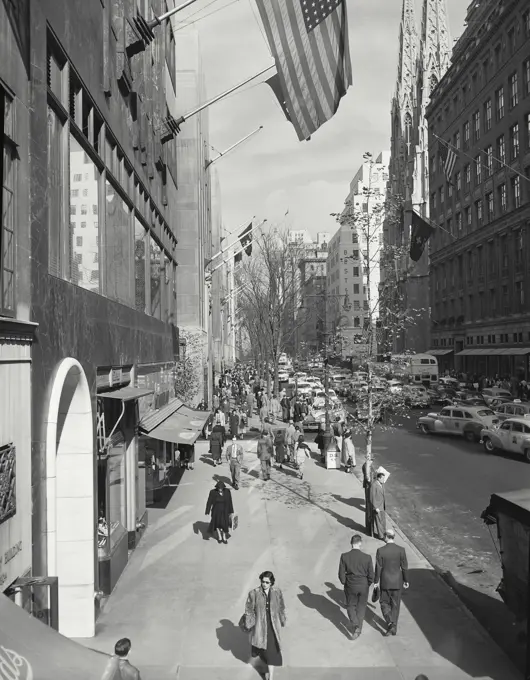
x: 156, y: 418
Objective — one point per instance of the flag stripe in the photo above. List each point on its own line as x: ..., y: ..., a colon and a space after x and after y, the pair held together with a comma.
x: 301, y: 48
x: 334, y: 59
x: 325, y: 77
x: 292, y: 102
x: 346, y: 59
x: 289, y: 68
x: 342, y: 84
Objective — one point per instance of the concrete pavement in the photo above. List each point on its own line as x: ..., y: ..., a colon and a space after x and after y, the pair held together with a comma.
x: 182, y: 594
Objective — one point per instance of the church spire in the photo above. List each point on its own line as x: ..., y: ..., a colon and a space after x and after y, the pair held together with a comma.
x: 435, y: 43
x: 407, y: 60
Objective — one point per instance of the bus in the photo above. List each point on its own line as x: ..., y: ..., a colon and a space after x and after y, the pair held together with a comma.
x: 416, y: 368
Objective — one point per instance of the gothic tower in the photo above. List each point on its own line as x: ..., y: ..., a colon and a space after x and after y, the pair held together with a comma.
x: 422, y: 62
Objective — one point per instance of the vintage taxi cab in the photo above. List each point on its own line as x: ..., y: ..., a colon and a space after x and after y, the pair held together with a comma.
x: 461, y: 420
x: 513, y: 436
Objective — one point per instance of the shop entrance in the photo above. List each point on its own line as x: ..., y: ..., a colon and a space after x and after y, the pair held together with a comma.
x: 70, y: 498
x: 39, y: 596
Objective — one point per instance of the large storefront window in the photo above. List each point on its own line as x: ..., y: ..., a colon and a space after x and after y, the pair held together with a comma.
x: 84, y: 218
x: 118, y: 247
x: 140, y: 244
x: 156, y: 261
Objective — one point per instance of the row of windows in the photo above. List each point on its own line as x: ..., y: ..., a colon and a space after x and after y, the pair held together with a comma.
x: 7, y: 205
x: 483, y: 262
x: 492, y: 339
x: 482, y: 167
x: 483, y: 210
x: 516, y: 36
x: 490, y: 304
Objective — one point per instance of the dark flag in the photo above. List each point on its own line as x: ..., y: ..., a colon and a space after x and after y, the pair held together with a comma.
x: 275, y: 85
x: 309, y: 43
x: 238, y: 258
x: 449, y: 159
x: 420, y: 233
x: 245, y: 238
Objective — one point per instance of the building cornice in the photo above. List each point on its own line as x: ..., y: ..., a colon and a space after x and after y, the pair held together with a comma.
x: 16, y: 330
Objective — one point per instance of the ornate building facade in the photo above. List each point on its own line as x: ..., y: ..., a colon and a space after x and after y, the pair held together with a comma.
x: 423, y: 59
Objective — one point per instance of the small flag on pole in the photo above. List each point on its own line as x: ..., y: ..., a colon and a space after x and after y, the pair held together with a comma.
x: 245, y: 238
x: 449, y: 159
x: 309, y: 43
x: 420, y: 233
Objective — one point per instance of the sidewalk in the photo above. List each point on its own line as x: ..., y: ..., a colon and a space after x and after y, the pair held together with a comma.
x: 182, y: 594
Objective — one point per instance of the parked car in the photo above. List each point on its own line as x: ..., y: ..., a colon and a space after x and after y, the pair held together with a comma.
x: 449, y: 382
x: 314, y: 418
x: 303, y: 388
x: 440, y: 396
x: 512, y: 409
x: 513, y: 435
x: 496, y: 392
x: 395, y: 386
x: 464, y: 421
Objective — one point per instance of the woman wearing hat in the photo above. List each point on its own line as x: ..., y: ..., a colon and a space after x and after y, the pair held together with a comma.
x: 220, y: 506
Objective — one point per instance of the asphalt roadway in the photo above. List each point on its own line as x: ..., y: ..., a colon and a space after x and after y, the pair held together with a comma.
x: 438, y: 487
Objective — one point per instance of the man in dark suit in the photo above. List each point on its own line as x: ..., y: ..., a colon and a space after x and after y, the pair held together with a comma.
x: 356, y: 573
x: 391, y: 570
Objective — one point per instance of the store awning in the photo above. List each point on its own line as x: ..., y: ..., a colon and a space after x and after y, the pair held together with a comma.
x: 126, y: 393
x: 31, y: 649
x: 197, y: 419
x: 494, y: 351
x: 177, y: 429
x: 439, y: 352
x: 155, y: 418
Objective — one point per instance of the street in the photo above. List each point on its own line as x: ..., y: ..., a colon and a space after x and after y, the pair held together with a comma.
x: 437, y: 490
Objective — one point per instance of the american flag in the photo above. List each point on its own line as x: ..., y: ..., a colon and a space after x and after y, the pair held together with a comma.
x: 309, y: 42
x: 449, y: 159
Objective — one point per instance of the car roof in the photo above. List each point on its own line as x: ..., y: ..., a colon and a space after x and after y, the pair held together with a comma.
x: 518, y: 419
x: 467, y: 407
x: 516, y: 403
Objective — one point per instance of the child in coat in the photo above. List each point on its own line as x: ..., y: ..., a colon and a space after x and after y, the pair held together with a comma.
x: 301, y: 453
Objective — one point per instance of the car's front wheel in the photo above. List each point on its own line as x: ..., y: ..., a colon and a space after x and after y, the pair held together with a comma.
x: 488, y: 445
x: 527, y: 455
x: 424, y: 428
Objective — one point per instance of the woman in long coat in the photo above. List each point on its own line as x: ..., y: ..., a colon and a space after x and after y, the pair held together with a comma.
x: 378, y: 503
x: 217, y: 441
x: 264, y: 617
x: 220, y: 505
x: 348, y: 451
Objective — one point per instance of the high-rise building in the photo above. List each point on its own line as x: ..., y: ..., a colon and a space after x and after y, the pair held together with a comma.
x: 480, y: 283
x: 422, y: 61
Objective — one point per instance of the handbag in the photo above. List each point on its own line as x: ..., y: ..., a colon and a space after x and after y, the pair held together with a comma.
x: 247, y: 622
x: 375, y: 594
x: 234, y: 521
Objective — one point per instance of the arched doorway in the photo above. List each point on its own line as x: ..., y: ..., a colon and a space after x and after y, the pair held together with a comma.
x: 70, y: 498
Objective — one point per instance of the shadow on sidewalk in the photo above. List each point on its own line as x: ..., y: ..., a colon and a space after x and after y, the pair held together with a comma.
x: 202, y: 528
x: 358, y: 503
x: 446, y: 626
x: 326, y: 608
x: 337, y: 595
x: 232, y: 639
x: 207, y: 459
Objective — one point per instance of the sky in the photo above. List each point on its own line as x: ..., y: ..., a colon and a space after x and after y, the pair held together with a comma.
x: 272, y: 172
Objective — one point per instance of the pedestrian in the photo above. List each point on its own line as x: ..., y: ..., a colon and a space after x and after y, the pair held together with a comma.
x: 243, y: 420
x: 338, y: 432
x: 219, y: 418
x: 263, y: 416
x: 286, y: 408
x: 217, y: 441
x: 377, y: 500
x: 119, y: 666
x: 275, y: 409
x: 264, y: 451
x: 234, y: 456
x: 356, y: 573
x: 250, y: 404
x: 290, y: 440
x: 348, y: 451
x: 187, y: 455
x: 302, y: 452
x: 320, y: 442
x: 216, y: 401
x: 234, y: 423
x: 264, y: 617
x: 268, y: 430
x: 219, y: 504
x: 391, y: 571
x: 368, y: 478
x: 279, y: 448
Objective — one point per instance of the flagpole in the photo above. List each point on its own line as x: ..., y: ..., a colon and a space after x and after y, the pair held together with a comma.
x: 200, y: 108
x: 231, y: 148
x: 223, y: 250
x: 157, y: 21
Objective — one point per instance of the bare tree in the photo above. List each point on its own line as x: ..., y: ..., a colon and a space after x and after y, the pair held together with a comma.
x: 270, y: 294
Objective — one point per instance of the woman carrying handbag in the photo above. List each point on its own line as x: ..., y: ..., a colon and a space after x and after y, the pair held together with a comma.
x: 263, y: 618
